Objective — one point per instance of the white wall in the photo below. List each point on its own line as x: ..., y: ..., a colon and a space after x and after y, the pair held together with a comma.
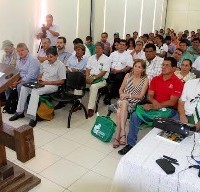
x: 21, y: 19
x: 183, y: 14
x: 127, y: 16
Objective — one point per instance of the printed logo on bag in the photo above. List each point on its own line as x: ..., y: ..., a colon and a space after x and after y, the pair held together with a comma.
x: 97, y: 131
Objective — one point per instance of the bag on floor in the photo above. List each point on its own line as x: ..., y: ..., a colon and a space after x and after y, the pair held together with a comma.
x: 148, y: 116
x: 103, y: 128
x: 45, y: 110
x: 11, y: 104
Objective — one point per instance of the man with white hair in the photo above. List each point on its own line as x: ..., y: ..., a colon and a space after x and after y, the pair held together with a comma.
x: 10, y: 56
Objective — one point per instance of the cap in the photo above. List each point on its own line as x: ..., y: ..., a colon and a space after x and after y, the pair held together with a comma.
x: 116, y: 33
x: 6, y: 43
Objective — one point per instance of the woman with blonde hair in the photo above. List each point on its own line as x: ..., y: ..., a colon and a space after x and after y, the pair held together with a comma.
x: 132, y: 91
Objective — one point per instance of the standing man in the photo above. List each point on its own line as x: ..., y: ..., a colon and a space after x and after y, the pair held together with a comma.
x: 10, y: 55
x: 63, y: 55
x: 49, y: 30
x: 28, y: 68
x: 52, y: 74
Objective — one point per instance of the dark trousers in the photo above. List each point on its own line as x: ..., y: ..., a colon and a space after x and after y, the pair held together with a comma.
x: 114, y: 83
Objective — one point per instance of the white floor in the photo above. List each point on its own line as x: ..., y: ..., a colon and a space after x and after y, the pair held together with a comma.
x: 69, y: 159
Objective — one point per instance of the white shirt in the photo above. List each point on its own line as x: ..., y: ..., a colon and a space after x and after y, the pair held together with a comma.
x: 190, y: 91
x: 154, y: 68
x: 139, y: 55
x: 196, y: 63
x: 121, y: 60
x: 161, y: 49
x: 97, y: 66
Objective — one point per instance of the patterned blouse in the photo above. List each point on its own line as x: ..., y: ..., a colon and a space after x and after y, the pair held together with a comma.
x: 187, y: 77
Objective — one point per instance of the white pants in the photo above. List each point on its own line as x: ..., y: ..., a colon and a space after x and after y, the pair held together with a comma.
x: 93, y: 93
x: 34, y: 99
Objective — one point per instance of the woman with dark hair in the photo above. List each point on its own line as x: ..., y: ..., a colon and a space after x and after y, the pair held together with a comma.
x: 132, y: 91
x: 130, y: 45
x: 185, y: 73
x: 115, y: 45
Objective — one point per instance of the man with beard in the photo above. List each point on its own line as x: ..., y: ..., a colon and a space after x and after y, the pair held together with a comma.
x: 63, y: 55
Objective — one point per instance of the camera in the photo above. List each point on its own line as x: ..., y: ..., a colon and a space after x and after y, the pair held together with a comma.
x: 44, y: 31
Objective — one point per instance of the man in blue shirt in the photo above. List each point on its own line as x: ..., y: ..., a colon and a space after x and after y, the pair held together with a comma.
x: 28, y: 68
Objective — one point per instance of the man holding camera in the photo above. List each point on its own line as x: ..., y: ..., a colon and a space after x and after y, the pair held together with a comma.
x: 49, y: 30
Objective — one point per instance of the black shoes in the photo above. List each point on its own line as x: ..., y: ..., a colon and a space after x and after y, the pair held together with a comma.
x: 125, y: 150
x: 33, y: 123
x: 16, y: 116
x: 60, y: 105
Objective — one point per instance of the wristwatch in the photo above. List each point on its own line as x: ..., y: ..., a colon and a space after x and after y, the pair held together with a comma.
x: 94, y: 78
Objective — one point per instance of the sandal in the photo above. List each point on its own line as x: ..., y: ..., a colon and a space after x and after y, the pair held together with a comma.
x: 122, y: 142
x: 116, y: 143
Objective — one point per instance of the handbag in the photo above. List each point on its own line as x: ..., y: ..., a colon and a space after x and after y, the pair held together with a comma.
x: 148, y: 116
x: 103, y: 128
x: 45, y: 110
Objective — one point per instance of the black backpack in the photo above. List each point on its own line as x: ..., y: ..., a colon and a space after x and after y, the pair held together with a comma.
x: 11, y: 104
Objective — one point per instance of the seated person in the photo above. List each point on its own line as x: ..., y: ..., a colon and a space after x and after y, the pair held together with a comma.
x: 153, y: 62
x: 104, y: 40
x: 98, y: 67
x: 171, y: 46
x: 121, y: 62
x: 161, y: 48
x: 28, y: 68
x: 79, y: 41
x: 90, y: 45
x: 132, y: 91
x: 138, y: 53
x: 115, y: 45
x: 130, y: 45
x: 164, y: 91
x: 187, y: 103
x: 63, y: 55
x: 185, y: 73
x: 183, y: 45
x: 77, y: 62
x: 46, y: 43
x: 52, y: 74
x: 177, y: 55
x: 195, y: 48
x: 196, y: 63
x: 10, y: 56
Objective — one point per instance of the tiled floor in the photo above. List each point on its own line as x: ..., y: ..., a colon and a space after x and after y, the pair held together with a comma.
x: 69, y: 159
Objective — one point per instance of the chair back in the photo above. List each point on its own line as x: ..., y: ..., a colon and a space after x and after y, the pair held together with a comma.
x: 76, y: 80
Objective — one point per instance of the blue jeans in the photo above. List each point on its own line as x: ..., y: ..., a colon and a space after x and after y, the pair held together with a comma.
x: 134, y: 126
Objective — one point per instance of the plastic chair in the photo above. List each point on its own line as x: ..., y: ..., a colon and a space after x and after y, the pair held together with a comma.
x: 74, y: 81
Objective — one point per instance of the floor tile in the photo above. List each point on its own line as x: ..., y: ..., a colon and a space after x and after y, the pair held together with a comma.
x: 47, y: 186
x: 85, y: 157
x: 41, y: 161
x: 64, y: 173
x: 78, y: 135
x: 10, y: 154
x: 61, y: 146
x: 91, y: 182
x: 43, y: 137
x: 106, y: 167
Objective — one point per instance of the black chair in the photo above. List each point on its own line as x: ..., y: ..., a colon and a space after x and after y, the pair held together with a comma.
x: 74, y: 81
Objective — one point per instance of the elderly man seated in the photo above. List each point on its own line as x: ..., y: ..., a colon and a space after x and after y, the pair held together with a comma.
x: 97, y: 70
x: 188, y: 105
x: 52, y: 74
x: 10, y: 56
x: 28, y: 68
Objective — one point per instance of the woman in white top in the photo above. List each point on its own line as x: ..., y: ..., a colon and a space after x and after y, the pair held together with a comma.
x: 130, y: 45
x: 184, y: 74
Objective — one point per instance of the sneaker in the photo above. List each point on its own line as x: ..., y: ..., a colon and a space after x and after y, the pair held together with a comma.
x: 125, y: 150
x: 32, y: 123
x: 16, y: 116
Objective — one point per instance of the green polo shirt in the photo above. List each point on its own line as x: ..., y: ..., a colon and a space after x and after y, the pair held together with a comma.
x: 186, y: 55
x: 91, y: 48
